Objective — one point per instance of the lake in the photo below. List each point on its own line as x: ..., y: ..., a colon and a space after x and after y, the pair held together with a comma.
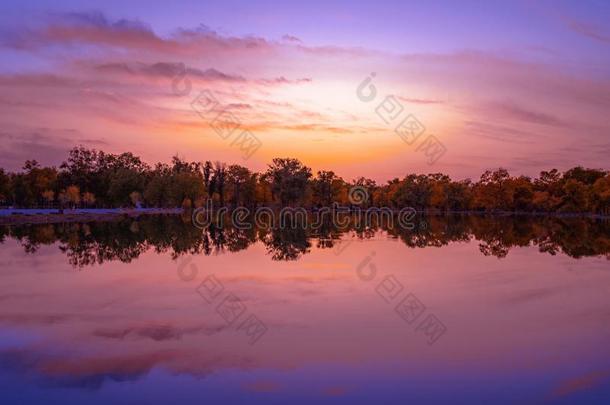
x: 459, y: 309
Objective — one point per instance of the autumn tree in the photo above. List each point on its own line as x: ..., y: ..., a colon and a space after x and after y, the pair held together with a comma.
x: 5, y: 187
x: 494, y: 190
x: 48, y: 196
x: 439, y: 190
x: 72, y: 195
x: 289, y: 179
x: 413, y: 191
x: 83, y: 169
x: 157, y: 190
x: 263, y: 193
x: 136, y: 198
x: 574, y: 196
x: 88, y: 199
x: 587, y: 177
x: 600, y: 195
x: 241, y: 185
x: 207, y: 172
x: 370, y: 186
x: 523, y: 193
x: 459, y: 195
x: 322, y: 186
x: 218, y: 181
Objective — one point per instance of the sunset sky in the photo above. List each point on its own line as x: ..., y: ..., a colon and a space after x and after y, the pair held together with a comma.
x: 524, y: 85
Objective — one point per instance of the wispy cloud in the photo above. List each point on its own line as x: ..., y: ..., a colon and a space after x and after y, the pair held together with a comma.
x: 589, y: 30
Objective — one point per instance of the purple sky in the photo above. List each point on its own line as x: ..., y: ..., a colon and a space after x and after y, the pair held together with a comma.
x: 521, y: 84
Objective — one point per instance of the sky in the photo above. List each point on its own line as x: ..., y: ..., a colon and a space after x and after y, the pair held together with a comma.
x: 523, y: 85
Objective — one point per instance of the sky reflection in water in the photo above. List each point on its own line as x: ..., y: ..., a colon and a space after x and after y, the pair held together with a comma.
x: 99, y: 313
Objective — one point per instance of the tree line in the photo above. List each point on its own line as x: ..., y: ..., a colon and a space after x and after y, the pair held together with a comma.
x: 92, y: 178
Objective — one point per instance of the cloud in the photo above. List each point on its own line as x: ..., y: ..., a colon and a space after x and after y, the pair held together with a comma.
x: 588, y: 30
x: 16, y: 148
x: 290, y: 38
x: 165, y: 69
x: 60, y: 367
x: 48, y: 146
x: 153, y: 332
x: 512, y: 111
x: 283, y: 80
x: 584, y: 382
x: 38, y: 80
x: 239, y: 106
x: 498, y: 132
x: 85, y: 373
x: 262, y: 386
x: 419, y: 100
x: 335, y: 391
x: 95, y: 29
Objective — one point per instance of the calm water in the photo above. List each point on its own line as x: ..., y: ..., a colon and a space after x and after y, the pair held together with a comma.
x: 458, y: 310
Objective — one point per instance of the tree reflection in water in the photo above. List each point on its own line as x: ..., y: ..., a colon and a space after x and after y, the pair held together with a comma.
x: 86, y: 244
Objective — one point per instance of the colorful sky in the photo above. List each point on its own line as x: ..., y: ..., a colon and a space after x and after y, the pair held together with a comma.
x: 524, y: 85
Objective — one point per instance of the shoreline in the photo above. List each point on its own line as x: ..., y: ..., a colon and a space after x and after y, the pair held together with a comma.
x: 53, y: 216
x: 28, y: 216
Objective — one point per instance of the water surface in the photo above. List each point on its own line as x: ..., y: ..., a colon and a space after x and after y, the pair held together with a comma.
x: 115, y: 312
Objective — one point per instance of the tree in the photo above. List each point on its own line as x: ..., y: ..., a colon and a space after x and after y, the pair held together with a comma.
x: 48, y: 196
x: 123, y: 174
x: 439, y: 190
x: 186, y: 181
x: 207, y: 171
x: 263, y: 193
x: 288, y: 178
x: 5, y: 187
x: 370, y: 186
x: 88, y: 199
x: 323, y: 190
x: 157, y: 190
x: 575, y: 196
x: 136, y: 198
x: 413, y: 191
x: 495, y: 190
x: 523, y: 193
x: 241, y: 184
x: 82, y: 168
x: 600, y: 195
x: 547, y: 180
x: 109, y: 177
x: 73, y: 194
x: 585, y: 176
x: 63, y: 199
x: 28, y: 186
x: 459, y: 195
x: 218, y: 181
